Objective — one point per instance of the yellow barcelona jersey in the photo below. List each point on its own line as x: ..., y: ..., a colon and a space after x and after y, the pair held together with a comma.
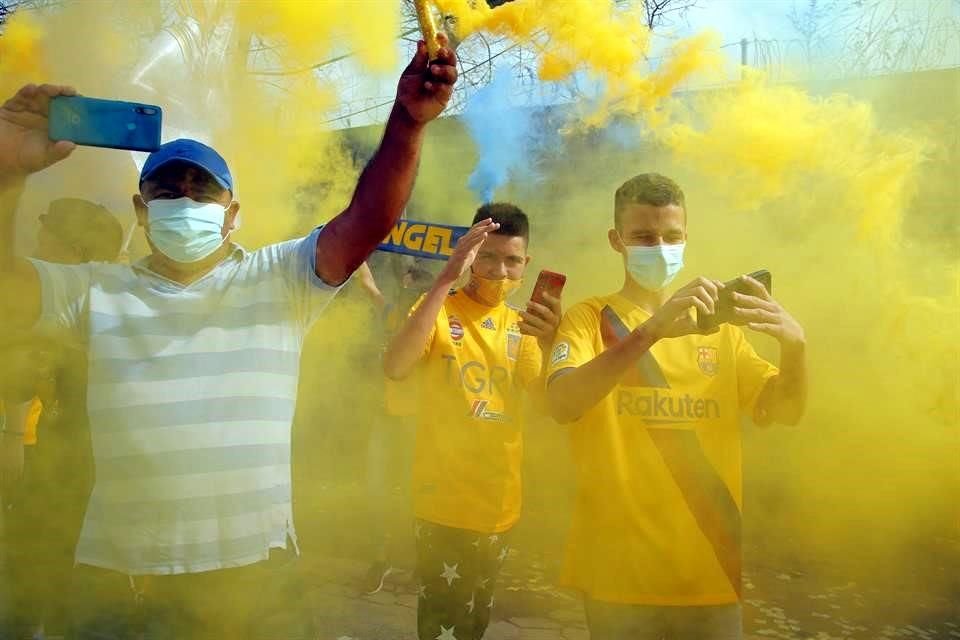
x: 657, y: 514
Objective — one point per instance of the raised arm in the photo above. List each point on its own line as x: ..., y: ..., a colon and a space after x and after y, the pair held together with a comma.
x: 385, y: 185
x: 407, y: 346
x: 24, y: 149
x: 784, y: 398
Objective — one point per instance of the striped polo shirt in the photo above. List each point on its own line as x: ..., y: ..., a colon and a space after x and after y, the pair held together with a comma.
x: 191, y: 396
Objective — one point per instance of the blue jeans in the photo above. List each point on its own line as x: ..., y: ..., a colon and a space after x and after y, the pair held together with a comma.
x: 611, y: 621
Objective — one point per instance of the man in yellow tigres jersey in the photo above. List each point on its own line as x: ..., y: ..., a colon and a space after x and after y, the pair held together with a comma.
x: 476, y: 356
x: 655, y: 409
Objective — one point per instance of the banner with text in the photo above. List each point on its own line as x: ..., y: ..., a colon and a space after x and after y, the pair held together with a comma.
x: 423, y: 239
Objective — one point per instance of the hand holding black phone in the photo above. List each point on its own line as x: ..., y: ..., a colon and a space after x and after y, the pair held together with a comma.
x: 724, y: 309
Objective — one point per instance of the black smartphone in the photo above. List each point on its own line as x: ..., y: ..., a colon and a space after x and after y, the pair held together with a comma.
x: 105, y: 123
x: 724, y: 309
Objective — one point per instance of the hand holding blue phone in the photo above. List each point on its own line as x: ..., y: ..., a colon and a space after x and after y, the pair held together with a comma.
x: 25, y: 145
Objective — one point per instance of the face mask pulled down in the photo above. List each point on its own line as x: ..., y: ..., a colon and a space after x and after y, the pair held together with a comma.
x: 185, y: 230
x: 491, y: 292
x: 653, y: 268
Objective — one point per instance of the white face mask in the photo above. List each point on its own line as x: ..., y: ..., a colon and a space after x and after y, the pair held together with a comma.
x: 653, y: 268
x: 185, y: 230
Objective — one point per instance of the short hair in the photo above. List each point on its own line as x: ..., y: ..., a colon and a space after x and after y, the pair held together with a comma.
x: 648, y: 188
x: 512, y: 220
x: 86, y: 225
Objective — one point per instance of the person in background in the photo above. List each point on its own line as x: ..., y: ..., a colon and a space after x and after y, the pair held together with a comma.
x: 654, y: 408
x: 477, y: 357
x: 48, y: 470
x: 390, y: 443
x: 194, y: 367
x: 29, y: 363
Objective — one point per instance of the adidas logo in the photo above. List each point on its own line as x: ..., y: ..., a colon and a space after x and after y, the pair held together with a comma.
x: 488, y: 324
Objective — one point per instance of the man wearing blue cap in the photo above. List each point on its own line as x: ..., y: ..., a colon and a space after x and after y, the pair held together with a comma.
x: 194, y: 360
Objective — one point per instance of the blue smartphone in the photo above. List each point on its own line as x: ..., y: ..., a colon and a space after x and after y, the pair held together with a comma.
x: 105, y: 123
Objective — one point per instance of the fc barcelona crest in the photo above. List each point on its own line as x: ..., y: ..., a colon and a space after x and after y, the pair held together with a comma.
x: 709, y: 360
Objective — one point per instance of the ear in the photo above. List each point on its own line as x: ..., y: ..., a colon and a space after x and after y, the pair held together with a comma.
x: 230, y: 218
x: 527, y: 260
x: 140, y: 208
x: 613, y: 236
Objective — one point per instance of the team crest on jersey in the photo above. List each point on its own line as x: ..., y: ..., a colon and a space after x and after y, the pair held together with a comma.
x: 488, y: 324
x: 513, y: 345
x: 709, y: 360
x: 560, y: 353
x: 456, y: 330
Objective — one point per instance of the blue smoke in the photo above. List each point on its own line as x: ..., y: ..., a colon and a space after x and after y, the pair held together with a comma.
x: 501, y: 134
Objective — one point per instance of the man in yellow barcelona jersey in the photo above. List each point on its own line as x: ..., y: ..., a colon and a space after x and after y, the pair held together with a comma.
x: 476, y: 356
x: 655, y: 409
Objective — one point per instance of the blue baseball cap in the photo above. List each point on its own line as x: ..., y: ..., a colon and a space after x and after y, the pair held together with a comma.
x: 191, y: 152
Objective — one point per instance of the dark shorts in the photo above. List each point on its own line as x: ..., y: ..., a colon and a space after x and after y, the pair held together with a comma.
x: 610, y: 621
x: 262, y: 600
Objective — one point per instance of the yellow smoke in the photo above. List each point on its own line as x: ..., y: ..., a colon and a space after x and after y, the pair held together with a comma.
x: 308, y: 31
x: 21, y: 53
x: 821, y: 189
x: 291, y: 172
x: 582, y: 35
x: 267, y: 126
x: 760, y: 142
x: 832, y: 193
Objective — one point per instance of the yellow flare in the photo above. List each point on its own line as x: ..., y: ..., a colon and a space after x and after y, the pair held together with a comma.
x: 22, y: 56
x: 428, y: 27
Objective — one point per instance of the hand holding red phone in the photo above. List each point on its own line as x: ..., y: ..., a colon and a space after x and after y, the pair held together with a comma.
x: 542, y: 315
x: 25, y: 147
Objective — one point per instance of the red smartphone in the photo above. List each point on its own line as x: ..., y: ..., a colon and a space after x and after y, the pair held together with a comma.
x: 548, y: 282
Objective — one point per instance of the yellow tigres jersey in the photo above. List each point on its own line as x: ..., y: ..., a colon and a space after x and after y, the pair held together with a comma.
x: 657, y: 515
x: 469, y: 448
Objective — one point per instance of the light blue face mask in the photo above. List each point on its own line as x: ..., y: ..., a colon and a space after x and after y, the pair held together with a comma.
x: 185, y: 230
x: 653, y: 268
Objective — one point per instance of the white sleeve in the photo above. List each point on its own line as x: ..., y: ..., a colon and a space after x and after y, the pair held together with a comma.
x: 297, y: 260
x: 64, y: 293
